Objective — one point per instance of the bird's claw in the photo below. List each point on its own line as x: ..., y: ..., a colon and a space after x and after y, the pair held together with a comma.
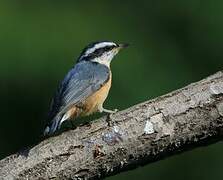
x: 109, y: 111
x: 115, y: 111
x: 109, y: 118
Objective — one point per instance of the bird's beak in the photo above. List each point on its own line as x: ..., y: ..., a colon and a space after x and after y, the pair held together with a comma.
x: 124, y: 45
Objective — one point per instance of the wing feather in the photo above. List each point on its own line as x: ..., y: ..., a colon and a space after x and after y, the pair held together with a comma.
x: 82, y: 81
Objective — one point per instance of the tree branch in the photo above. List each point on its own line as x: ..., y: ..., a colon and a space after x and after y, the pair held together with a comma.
x: 147, y: 132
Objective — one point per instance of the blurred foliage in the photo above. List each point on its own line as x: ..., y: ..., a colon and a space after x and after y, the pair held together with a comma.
x: 173, y: 43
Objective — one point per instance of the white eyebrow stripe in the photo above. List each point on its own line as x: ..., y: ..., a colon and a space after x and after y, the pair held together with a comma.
x: 97, y: 46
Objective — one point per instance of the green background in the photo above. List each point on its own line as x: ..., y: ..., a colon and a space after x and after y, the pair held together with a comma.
x: 173, y: 43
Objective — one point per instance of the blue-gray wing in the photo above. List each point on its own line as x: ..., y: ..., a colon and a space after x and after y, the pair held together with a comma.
x: 81, y: 82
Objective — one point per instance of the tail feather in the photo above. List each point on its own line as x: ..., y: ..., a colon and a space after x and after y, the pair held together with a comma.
x: 53, y: 126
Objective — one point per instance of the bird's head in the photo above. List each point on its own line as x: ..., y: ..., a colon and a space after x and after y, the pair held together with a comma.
x: 101, y: 52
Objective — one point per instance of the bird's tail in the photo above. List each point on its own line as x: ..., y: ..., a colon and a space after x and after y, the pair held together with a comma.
x: 53, y: 126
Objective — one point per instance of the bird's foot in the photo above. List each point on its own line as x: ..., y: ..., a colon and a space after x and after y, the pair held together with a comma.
x: 109, y: 117
x: 109, y: 111
x: 109, y: 120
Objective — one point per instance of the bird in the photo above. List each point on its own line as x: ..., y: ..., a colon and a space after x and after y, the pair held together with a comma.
x: 85, y: 87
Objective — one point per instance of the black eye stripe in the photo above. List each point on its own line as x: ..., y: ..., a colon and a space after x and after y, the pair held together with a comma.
x: 100, y: 51
x: 96, y: 53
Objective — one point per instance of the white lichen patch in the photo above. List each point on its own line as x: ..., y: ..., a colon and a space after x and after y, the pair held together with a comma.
x: 220, y: 108
x: 157, y: 120
x: 149, y: 128
x: 217, y: 88
x: 116, y: 129
x: 161, y: 127
x: 113, y: 136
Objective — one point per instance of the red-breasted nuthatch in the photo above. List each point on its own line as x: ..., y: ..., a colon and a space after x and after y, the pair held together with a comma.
x: 85, y: 87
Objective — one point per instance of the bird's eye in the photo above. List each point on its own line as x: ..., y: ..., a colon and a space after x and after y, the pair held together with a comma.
x: 97, y: 52
x: 108, y: 48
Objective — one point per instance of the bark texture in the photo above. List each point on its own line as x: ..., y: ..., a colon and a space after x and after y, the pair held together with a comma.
x: 147, y: 132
